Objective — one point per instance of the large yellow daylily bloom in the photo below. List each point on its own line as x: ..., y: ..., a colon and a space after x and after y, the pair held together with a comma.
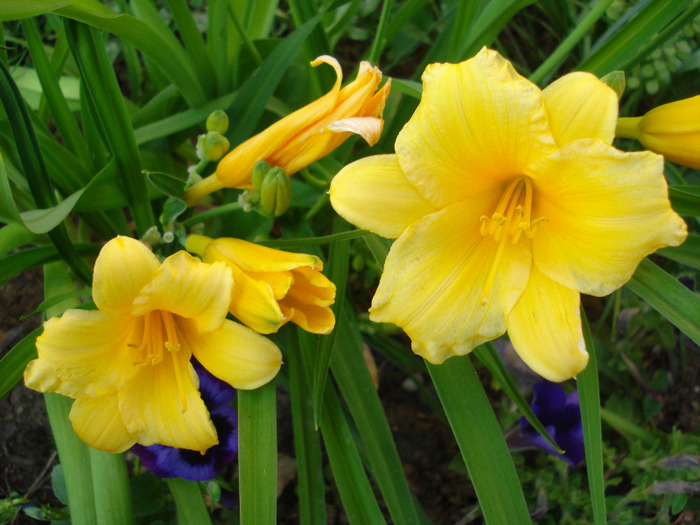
x: 128, y: 364
x: 507, y: 201
x: 272, y: 287
x: 308, y: 134
x: 672, y: 130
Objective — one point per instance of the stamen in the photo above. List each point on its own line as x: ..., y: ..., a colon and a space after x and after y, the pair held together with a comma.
x: 511, y: 217
x: 160, y: 333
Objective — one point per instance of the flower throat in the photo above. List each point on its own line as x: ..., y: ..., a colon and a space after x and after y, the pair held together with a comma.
x: 160, y: 333
x: 511, y: 218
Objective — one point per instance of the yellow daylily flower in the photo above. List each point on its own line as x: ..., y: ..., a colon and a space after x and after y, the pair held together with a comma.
x: 673, y: 130
x: 308, y: 134
x: 127, y: 364
x: 272, y: 287
x: 507, y: 202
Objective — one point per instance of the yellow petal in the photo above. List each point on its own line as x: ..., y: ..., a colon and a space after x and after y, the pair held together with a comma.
x: 435, y: 276
x: 236, y: 354
x: 122, y: 268
x: 545, y: 329
x: 369, y: 128
x: 83, y: 353
x: 580, y: 106
x: 251, y: 257
x: 253, y: 303
x: 374, y: 194
x: 98, y: 423
x: 605, y: 209
x: 152, y: 405
x: 674, y: 118
x: 478, y: 124
x: 310, y: 317
x: 186, y: 286
x: 312, y: 287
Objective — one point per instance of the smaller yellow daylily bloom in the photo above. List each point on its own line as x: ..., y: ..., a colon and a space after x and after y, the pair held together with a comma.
x: 673, y: 130
x: 506, y: 202
x: 127, y: 364
x: 308, y: 134
x: 272, y: 287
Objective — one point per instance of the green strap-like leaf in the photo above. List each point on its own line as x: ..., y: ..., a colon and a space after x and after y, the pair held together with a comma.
x: 358, y: 390
x: 589, y: 399
x: 487, y: 356
x: 107, y: 103
x: 13, y: 363
x: 257, y: 455
x: 189, y: 502
x: 338, y: 265
x: 480, y: 441
x: 687, y: 253
x: 349, y: 473
x: 669, y: 297
x: 35, y: 169
x: 311, y: 486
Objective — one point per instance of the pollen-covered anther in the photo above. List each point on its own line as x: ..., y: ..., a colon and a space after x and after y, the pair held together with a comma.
x: 511, y: 218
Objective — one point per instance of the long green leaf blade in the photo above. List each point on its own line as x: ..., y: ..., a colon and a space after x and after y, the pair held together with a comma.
x: 589, y: 399
x: 669, y: 297
x: 481, y: 441
x: 257, y: 455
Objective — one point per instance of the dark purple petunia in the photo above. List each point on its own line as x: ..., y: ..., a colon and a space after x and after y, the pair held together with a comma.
x: 560, y: 414
x: 171, y: 462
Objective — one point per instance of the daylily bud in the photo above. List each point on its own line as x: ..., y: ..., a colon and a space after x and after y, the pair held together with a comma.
x: 212, y: 146
x: 276, y: 192
x: 673, y: 130
x: 616, y: 80
x: 308, y: 134
x: 260, y: 169
x: 217, y: 121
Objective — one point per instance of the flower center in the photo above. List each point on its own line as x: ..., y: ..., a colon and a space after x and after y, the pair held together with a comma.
x: 161, y: 333
x: 511, y: 218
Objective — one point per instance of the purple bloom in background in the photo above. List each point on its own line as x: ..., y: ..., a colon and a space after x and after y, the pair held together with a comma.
x: 560, y: 415
x: 170, y: 462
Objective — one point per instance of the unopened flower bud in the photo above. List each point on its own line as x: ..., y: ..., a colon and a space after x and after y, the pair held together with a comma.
x: 276, y: 192
x: 212, y: 146
x: 616, y: 80
x: 260, y: 169
x: 217, y: 121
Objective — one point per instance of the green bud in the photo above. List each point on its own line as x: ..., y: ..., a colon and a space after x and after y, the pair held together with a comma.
x: 260, y: 169
x: 217, y: 121
x: 276, y: 192
x: 616, y: 80
x: 212, y: 146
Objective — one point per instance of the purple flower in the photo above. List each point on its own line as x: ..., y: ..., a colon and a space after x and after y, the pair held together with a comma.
x: 170, y: 462
x: 560, y: 414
